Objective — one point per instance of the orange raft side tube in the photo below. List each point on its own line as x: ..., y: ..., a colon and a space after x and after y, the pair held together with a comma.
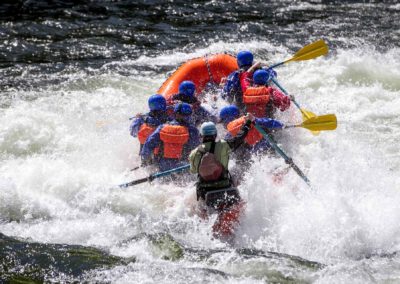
x: 200, y: 71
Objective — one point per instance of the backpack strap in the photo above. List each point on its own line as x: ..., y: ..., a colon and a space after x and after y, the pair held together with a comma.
x: 212, y: 148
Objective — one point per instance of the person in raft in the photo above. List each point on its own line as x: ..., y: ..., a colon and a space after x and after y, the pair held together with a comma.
x: 215, y: 190
x: 186, y: 94
x: 145, y: 124
x: 259, y: 98
x: 174, y: 140
x: 254, y: 142
x: 232, y: 90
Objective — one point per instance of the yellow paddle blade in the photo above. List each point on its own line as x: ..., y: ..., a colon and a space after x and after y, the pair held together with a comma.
x: 307, y: 115
x: 310, y: 51
x: 320, y: 123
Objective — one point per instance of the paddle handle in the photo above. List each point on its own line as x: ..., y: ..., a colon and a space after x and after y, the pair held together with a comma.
x: 287, y: 159
x: 291, y: 126
x: 286, y: 93
x: 276, y: 65
x: 154, y: 176
x: 165, y: 173
x: 291, y: 98
x: 135, y: 182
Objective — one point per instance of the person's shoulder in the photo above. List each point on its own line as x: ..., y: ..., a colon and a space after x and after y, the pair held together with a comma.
x: 158, y: 129
x: 193, y: 128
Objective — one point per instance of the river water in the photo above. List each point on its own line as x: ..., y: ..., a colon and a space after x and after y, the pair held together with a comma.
x: 72, y: 73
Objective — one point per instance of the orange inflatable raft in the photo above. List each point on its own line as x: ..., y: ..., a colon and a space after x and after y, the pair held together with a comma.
x: 200, y: 71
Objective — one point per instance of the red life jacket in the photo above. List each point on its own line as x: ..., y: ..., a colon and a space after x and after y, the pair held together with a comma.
x: 252, y: 138
x: 174, y: 138
x: 256, y: 100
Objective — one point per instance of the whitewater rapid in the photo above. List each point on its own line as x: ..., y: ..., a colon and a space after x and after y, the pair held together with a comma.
x: 64, y: 148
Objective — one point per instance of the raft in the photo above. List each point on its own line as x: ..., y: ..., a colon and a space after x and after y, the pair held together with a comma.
x: 202, y: 70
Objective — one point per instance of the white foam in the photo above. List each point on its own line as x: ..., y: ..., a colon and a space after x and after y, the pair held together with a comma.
x: 63, y: 151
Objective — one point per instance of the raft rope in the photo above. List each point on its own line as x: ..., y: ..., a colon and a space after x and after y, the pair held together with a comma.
x: 209, y: 70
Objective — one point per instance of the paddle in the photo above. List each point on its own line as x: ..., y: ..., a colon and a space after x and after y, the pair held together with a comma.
x: 287, y: 159
x: 305, y: 113
x: 310, y: 51
x: 318, y: 123
x: 154, y: 176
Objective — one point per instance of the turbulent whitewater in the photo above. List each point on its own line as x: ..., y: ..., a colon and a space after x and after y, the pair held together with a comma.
x: 65, y: 144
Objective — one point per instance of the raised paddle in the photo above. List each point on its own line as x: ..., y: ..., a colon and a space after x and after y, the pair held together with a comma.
x: 310, y: 51
x: 154, y: 176
x: 287, y: 159
x: 318, y: 123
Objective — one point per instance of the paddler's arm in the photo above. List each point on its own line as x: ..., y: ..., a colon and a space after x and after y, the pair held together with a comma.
x: 269, y: 123
x: 280, y: 100
x: 238, y: 140
x: 135, y: 125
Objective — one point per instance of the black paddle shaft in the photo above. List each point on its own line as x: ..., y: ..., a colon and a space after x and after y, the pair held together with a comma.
x: 138, y: 181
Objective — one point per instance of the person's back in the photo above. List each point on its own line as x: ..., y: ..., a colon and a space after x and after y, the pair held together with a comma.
x: 215, y: 190
x: 232, y: 90
x: 254, y: 141
x: 261, y: 99
x: 174, y: 139
x: 212, y: 172
x: 145, y: 124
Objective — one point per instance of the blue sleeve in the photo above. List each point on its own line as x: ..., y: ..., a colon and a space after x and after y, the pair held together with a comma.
x: 152, y: 142
x: 135, y: 126
x: 230, y: 86
x: 269, y: 123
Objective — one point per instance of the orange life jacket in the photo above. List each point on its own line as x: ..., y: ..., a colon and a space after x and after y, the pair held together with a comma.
x: 252, y: 138
x: 174, y: 138
x: 144, y: 132
x: 256, y: 100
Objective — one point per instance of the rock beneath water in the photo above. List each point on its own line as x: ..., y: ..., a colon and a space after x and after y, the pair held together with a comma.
x: 25, y: 262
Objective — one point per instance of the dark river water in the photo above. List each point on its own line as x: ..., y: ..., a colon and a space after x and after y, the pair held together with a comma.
x: 43, y: 41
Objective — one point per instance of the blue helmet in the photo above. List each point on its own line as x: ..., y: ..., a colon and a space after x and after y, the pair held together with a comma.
x: 244, y: 58
x: 208, y: 129
x: 261, y: 77
x: 187, y: 88
x: 157, y: 102
x: 229, y: 113
x: 183, y: 109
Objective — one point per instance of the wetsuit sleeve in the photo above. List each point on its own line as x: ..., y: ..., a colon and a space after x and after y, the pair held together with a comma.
x: 245, y: 80
x: 238, y: 140
x: 152, y: 142
x: 135, y: 126
x: 280, y: 100
x: 228, y: 92
x: 269, y: 123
